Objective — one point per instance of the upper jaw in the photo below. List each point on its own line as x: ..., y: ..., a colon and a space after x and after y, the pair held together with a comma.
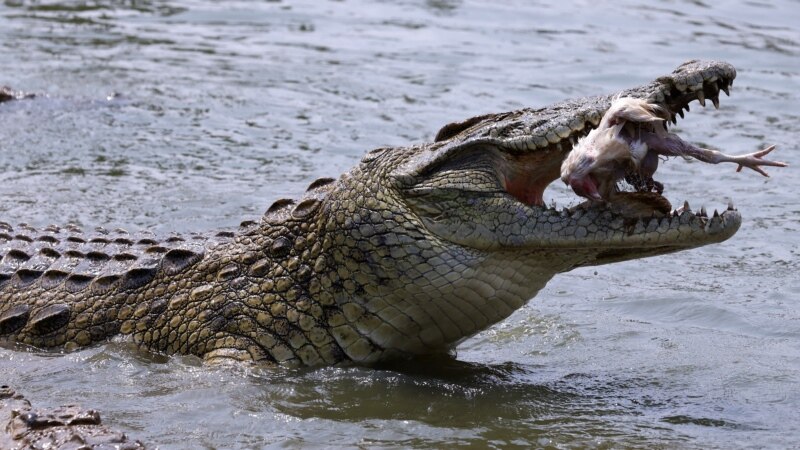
x: 692, y: 80
x: 556, y: 127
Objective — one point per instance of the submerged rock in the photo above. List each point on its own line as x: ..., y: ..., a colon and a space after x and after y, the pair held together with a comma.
x: 64, y: 427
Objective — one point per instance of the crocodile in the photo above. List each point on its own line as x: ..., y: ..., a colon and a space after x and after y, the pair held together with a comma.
x: 409, y: 253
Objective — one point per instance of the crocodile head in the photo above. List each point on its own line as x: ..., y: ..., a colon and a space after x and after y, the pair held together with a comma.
x: 453, y: 236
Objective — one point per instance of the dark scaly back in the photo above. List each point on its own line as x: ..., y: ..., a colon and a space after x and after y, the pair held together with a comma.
x: 44, y: 273
x: 247, y: 294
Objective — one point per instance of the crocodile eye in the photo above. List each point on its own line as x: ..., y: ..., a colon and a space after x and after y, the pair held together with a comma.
x: 475, y: 171
x: 463, y: 180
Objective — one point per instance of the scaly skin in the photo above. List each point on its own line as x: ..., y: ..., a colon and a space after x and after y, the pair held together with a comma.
x: 66, y: 427
x: 409, y: 253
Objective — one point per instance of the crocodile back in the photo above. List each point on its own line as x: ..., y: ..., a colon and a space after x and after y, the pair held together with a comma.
x: 44, y: 271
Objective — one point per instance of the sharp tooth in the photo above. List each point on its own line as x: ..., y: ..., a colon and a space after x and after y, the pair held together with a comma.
x: 701, y: 98
x: 703, y: 212
x: 715, y: 101
x: 716, y: 214
x: 680, y: 112
x: 726, y: 89
x: 687, y: 107
x: 686, y: 206
x: 674, y: 119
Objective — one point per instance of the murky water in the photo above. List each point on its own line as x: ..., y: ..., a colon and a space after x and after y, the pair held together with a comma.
x: 195, y: 115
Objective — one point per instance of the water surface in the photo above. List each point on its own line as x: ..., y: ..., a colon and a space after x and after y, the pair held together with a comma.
x: 196, y: 115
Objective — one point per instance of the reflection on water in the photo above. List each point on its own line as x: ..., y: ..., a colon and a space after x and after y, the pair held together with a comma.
x: 195, y: 115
